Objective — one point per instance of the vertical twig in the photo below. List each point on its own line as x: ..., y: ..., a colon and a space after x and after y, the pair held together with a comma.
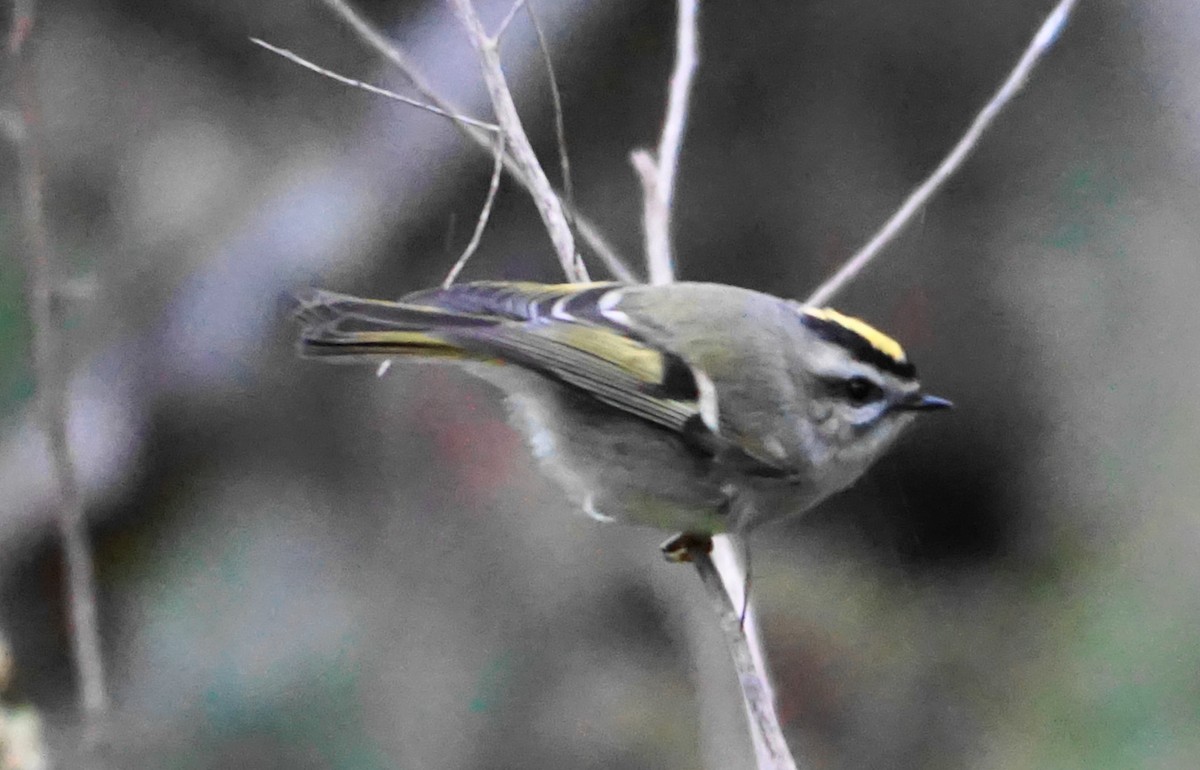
x: 657, y: 173
x: 544, y: 197
x: 1046, y: 35
x: 740, y: 630
x: 560, y: 129
x: 484, y: 213
x: 51, y: 374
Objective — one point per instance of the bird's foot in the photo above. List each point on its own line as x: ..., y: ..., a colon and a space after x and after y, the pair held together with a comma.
x: 679, y: 549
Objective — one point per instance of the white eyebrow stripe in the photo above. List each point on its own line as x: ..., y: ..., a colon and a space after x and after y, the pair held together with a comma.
x: 846, y: 369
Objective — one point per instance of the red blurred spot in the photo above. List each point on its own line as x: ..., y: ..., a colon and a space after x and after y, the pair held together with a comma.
x: 476, y: 446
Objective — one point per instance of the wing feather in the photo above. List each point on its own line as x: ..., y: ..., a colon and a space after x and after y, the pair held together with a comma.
x: 616, y: 370
x: 572, y: 333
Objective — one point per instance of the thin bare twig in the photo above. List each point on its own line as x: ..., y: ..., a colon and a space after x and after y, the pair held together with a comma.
x: 298, y: 59
x: 50, y: 368
x: 1045, y: 38
x: 560, y: 129
x: 508, y: 18
x: 658, y: 173
x: 486, y: 212
x: 373, y: 38
x: 548, y: 204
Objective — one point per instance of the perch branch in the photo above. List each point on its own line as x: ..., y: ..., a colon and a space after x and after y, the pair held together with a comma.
x: 50, y: 369
x: 1045, y: 38
x: 758, y: 697
x: 657, y: 173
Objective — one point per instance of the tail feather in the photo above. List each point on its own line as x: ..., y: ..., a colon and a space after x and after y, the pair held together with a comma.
x: 355, y: 329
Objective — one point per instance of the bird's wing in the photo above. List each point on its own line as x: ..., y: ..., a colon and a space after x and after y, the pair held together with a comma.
x: 566, y: 332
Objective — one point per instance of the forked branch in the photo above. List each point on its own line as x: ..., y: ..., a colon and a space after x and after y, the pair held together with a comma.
x: 377, y: 41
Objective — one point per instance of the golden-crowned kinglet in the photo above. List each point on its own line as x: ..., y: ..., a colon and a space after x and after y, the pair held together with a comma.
x: 693, y: 407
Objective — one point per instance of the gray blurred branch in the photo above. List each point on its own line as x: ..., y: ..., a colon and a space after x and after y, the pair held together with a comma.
x: 52, y: 375
x: 1042, y: 41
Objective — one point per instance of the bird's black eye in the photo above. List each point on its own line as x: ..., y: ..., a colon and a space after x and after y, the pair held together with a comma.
x: 860, y: 390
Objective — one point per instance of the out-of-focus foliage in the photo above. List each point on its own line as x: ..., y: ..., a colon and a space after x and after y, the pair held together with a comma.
x: 311, y: 567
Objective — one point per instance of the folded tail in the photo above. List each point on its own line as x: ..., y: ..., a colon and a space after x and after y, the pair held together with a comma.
x: 355, y: 329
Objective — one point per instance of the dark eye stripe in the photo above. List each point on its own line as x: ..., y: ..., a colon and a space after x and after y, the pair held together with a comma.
x: 841, y: 388
x: 860, y: 390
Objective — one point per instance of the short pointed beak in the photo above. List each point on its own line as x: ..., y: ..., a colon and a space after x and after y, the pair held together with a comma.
x: 920, y: 402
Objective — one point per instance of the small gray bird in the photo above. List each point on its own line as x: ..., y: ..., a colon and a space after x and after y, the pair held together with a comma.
x: 691, y: 407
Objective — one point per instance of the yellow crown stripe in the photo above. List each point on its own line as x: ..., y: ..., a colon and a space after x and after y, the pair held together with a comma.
x: 877, y: 339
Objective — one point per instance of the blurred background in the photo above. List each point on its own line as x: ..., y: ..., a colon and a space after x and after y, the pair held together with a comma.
x: 310, y: 567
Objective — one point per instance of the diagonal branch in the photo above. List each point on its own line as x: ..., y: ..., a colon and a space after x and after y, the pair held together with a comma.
x: 298, y: 59
x: 508, y: 18
x: 1045, y: 38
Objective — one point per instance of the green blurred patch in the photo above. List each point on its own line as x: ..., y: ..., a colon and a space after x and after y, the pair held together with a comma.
x: 1091, y: 201
x: 318, y: 723
x: 16, y: 374
x: 492, y: 682
x: 1124, y: 691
